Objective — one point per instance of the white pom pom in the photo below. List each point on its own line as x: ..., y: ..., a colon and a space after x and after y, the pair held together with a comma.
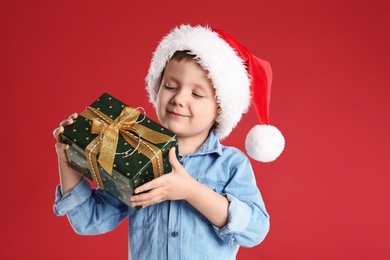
x: 264, y: 143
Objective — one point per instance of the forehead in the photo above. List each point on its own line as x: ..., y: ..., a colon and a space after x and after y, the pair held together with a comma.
x: 187, y: 71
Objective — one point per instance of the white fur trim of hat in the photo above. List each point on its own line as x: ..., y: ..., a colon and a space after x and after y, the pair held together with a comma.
x: 237, y: 76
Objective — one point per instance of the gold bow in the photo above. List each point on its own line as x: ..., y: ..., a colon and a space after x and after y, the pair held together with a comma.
x: 107, y: 141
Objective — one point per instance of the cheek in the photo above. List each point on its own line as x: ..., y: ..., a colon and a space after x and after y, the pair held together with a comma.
x: 162, y: 97
x: 210, y: 111
x: 161, y: 106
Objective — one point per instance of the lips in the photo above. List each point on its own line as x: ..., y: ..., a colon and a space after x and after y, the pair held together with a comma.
x: 176, y: 114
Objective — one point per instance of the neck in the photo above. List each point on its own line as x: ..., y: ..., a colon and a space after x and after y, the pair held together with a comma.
x: 189, y: 145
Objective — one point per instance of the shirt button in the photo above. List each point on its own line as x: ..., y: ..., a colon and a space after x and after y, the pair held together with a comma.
x: 174, y: 234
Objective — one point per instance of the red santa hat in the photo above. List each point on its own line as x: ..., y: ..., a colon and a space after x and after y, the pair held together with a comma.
x: 239, y: 79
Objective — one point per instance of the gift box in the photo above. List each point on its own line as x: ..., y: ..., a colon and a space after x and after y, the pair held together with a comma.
x: 118, y: 147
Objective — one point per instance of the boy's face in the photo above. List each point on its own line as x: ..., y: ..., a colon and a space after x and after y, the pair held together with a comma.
x: 186, y: 102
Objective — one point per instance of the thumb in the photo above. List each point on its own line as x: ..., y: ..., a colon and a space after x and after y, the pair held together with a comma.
x: 173, y: 159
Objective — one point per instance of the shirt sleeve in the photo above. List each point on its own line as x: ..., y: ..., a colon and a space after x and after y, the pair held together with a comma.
x: 89, y: 211
x: 248, y: 220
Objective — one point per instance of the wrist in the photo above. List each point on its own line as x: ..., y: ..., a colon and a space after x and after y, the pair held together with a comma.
x: 191, y: 189
x: 63, y: 161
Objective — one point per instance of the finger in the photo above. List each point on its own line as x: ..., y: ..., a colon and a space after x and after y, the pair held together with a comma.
x: 146, y: 199
x: 62, y: 146
x: 73, y: 116
x: 139, y: 200
x: 173, y: 159
x: 57, y: 132
x: 148, y: 186
x: 69, y: 120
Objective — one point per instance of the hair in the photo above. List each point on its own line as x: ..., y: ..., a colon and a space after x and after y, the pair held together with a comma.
x: 182, y: 55
x: 178, y: 56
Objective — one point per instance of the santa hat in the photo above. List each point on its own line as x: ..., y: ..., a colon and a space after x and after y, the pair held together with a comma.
x: 238, y: 77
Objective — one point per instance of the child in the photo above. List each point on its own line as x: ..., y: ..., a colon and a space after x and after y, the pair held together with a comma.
x: 200, y: 81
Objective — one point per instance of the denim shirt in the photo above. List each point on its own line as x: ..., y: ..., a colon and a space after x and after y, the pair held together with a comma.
x: 174, y: 229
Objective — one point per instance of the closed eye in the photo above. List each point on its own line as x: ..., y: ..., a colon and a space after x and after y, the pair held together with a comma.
x: 169, y: 87
x: 197, y: 95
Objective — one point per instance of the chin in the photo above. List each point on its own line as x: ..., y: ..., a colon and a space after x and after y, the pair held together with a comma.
x: 175, y: 130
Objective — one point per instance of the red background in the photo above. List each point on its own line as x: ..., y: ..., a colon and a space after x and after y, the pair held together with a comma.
x: 328, y: 194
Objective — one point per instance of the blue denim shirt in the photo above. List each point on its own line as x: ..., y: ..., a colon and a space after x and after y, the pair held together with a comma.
x: 174, y: 229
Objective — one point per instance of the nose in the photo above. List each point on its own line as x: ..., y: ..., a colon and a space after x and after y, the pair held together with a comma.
x: 180, y: 98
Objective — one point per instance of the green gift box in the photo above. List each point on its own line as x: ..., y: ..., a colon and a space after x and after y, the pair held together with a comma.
x: 118, y: 147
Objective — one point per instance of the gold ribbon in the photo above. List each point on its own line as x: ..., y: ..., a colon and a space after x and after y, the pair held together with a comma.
x: 107, y: 141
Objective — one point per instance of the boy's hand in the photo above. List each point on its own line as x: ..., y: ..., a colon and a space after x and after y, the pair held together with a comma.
x: 172, y: 186
x: 60, y: 146
x: 69, y: 177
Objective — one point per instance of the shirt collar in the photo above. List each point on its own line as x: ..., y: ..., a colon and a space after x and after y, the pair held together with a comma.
x: 211, y: 145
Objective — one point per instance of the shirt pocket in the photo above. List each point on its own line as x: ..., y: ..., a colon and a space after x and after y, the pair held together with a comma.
x: 143, y: 218
x: 216, y: 186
